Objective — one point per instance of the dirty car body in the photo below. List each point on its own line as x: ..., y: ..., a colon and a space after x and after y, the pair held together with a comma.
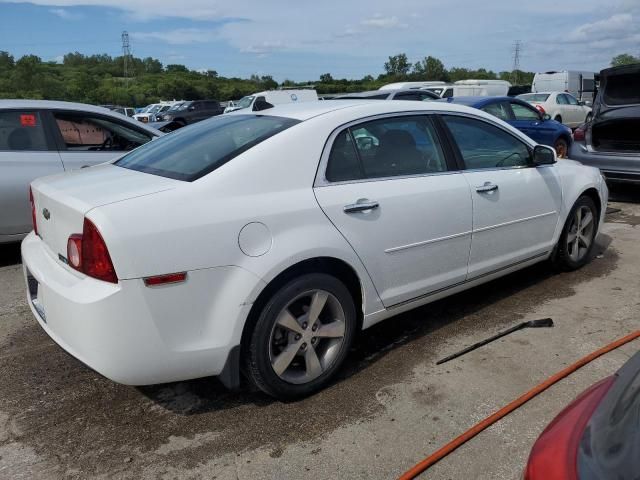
x: 612, y: 142
x: 384, y: 205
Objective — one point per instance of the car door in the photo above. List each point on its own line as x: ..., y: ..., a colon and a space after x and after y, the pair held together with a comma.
x: 393, y: 193
x: 576, y: 111
x: 87, y: 138
x: 515, y: 205
x: 27, y: 152
x: 527, y: 119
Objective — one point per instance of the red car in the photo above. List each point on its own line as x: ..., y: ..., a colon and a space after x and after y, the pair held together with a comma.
x: 597, y: 436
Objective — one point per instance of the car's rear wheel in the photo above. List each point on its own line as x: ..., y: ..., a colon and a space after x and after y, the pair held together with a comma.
x: 562, y: 148
x: 558, y: 118
x: 302, y: 336
x: 578, y: 236
x: 589, y: 118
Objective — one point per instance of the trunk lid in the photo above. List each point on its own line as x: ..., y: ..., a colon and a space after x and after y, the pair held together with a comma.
x: 616, y: 117
x: 62, y: 201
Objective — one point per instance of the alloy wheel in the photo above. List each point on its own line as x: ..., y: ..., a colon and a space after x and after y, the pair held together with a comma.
x: 307, y: 336
x: 580, y: 234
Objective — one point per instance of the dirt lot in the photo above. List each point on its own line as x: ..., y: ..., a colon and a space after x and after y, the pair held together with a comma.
x: 391, y: 406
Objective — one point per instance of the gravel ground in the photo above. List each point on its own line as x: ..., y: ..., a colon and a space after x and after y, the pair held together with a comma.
x: 390, y: 407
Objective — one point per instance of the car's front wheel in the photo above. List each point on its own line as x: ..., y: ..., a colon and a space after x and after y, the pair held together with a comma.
x: 302, y: 336
x: 578, y: 236
x: 561, y: 147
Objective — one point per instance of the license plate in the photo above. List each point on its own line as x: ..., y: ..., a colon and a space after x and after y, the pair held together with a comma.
x: 33, y: 286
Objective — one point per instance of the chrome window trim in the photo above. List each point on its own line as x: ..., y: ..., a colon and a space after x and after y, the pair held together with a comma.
x: 321, y: 176
x: 322, y: 181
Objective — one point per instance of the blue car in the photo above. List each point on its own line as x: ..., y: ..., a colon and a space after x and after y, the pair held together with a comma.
x: 525, y: 118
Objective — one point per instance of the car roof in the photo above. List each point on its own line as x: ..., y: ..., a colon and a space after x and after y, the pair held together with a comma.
x: 307, y: 110
x: 82, y: 107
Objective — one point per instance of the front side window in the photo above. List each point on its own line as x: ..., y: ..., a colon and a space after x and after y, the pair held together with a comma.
x: 483, y: 145
x: 571, y: 99
x: 524, y: 113
x: 499, y: 110
x: 198, y: 150
x: 22, y: 131
x: 84, y: 132
x: 388, y: 147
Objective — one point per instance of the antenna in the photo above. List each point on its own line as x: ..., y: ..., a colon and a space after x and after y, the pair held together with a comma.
x: 126, y: 52
x: 517, y: 49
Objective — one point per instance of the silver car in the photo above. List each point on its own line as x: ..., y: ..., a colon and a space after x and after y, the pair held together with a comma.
x: 41, y: 137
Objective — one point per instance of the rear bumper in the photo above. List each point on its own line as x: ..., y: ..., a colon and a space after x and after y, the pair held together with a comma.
x: 136, y: 335
x: 616, y: 168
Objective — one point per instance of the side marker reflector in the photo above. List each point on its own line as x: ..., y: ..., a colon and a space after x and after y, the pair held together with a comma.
x: 164, y: 279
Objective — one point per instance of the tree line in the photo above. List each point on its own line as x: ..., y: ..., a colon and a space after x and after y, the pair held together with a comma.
x: 99, y: 79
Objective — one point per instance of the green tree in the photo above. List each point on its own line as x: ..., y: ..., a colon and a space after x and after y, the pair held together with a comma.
x: 398, y: 65
x: 430, y: 68
x: 326, y: 78
x: 6, y: 62
x: 624, y: 59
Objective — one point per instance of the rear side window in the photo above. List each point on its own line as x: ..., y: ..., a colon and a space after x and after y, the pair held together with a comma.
x: 22, y: 131
x: 485, y: 146
x: 389, y: 147
x: 562, y: 99
x: 198, y: 150
x: 499, y: 110
x: 622, y: 89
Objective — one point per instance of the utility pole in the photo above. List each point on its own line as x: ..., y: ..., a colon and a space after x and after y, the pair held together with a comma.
x: 126, y: 52
x: 517, y: 49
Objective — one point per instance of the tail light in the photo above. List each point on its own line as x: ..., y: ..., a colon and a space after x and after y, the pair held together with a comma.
x: 541, y: 109
x: 33, y: 211
x: 554, y: 455
x: 578, y: 133
x: 88, y: 254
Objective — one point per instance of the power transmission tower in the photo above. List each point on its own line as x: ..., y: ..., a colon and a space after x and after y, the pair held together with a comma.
x: 517, y: 49
x: 126, y: 53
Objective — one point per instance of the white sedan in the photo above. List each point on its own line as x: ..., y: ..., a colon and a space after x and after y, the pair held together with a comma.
x: 269, y: 240
x: 560, y: 106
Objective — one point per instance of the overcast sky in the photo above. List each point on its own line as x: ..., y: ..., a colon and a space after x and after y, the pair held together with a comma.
x: 301, y: 39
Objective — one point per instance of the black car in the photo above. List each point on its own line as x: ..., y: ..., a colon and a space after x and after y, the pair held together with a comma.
x: 597, y: 436
x: 192, y: 112
x: 610, y: 141
x: 412, y: 94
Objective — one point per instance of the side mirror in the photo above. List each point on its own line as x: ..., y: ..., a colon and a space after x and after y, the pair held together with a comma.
x: 544, y: 155
x: 581, y: 103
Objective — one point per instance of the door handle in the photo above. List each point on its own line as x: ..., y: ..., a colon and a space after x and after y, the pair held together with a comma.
x: 360, y: 206
x: 487, y: 187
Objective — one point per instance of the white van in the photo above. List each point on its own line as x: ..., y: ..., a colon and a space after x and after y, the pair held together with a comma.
x: 411, y: 85
x: 473, y: 88
x: 263, y: 100
x: 580, y: 84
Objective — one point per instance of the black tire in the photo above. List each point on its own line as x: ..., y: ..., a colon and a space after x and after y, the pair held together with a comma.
x: 558, y: 119
x: 562, y: 259
x: 561, y: 147
x: 257, y: 356
x: 589, y: 118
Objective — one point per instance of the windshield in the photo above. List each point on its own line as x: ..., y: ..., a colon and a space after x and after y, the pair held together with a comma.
x: 198, y: 150
x: 180, y: 107
x: 534, y: 97
x: 244, y: 102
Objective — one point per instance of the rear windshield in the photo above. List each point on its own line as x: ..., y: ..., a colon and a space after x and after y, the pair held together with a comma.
x: 195, y: 151
x: 622, y: 89
x: 534, y: 97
